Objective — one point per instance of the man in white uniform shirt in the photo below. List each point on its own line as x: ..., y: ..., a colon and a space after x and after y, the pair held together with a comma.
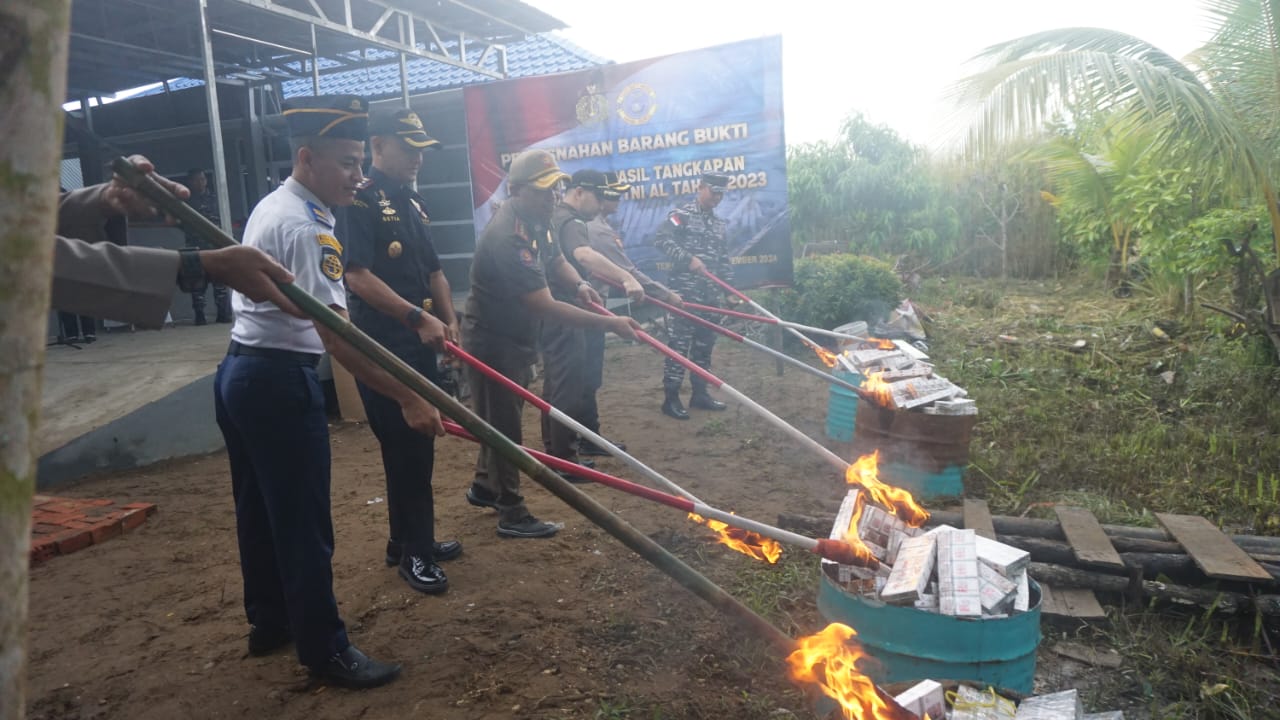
x: 270, y: 405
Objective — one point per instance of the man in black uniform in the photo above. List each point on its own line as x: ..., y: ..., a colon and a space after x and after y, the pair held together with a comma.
x: 396, y: 283
x: 515, y: 255
x: 694, y: 238
x: 206, y: 203
x: 606, y: 242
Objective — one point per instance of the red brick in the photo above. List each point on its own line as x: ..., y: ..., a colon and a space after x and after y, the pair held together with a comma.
x: 150, y: 508
x: 43, y: 550
x: 104, y: 531
x: 74, y: 540
x: 98, y: 502
x: 132, y: 519
x: 41, y: 528
x: 79, y: 523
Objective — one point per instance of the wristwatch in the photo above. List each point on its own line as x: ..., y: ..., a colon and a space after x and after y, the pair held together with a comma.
x: 191, y: 275
x: 413, y: 318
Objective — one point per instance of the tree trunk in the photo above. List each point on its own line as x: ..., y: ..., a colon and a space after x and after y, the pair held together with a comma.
x: 33, y: 77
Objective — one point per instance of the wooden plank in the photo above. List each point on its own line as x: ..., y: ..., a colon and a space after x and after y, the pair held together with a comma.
x: 1070, y: 602
x: 1213, y: 552
x: 977, y: 517
x: 1088, y: 541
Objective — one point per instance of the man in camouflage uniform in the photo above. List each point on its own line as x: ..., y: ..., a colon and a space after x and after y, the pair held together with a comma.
x: 206, y: 203
x: 694, y: 238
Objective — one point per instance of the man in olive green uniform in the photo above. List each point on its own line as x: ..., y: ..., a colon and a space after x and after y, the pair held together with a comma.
x: 514, y: 256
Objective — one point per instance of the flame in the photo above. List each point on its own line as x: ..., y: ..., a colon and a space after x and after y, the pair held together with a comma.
x: 883, y: 343
x: 876, y: 385
x: 830, y: 659
x: 865, y: 472
x: 748, y: 543
x: 851, y: 535
x: 827, y: 357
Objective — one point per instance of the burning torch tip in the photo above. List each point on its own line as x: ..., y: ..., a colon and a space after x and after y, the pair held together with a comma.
x: 842, y: 552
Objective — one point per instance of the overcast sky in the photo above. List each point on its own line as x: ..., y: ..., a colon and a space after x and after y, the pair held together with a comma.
x: 891, y: 60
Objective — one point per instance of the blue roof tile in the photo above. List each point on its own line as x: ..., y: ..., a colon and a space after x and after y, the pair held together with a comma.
x: 543, y: 54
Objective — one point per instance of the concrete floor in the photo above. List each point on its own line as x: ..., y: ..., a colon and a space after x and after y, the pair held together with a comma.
x: 88, y: 388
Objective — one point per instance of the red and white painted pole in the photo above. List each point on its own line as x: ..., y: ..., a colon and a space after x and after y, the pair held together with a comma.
x: 561, y: 417
x: 733, y: 392
x: 785, y: 324
x: 793, y: 328
x: 835, y: 550
x: 799, y: 364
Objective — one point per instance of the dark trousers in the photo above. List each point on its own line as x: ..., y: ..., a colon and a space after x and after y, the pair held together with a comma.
x: 593, y: 379
x: 692, y: 341
x: 563, y: 352
x: 501, y: 408
x: 271, y: 412
x: 408, y: 458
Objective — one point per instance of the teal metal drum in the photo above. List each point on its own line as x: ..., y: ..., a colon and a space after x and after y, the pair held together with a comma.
x: 913, y: 645
x: 842, y: 406
x: 924, y: 454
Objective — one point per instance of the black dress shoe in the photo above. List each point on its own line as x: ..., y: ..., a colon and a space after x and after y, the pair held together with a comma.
x: 264, y: 641
x: 448, y: 550
x: 425, y: 577
x: 703, y: 401
x: 586, y: 447
x: 444, y: 551
x: 672, y: 407
x: 353, y: 669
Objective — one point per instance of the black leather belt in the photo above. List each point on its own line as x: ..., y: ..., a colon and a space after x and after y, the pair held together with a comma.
x: 301, y: 358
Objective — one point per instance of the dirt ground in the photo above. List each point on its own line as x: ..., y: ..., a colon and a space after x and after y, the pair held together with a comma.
x: 150, y: 625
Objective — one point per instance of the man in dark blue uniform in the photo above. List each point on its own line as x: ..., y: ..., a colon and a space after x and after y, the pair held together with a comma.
x: 693, y: 237
x: 270, y: 406
x: 396, y: 283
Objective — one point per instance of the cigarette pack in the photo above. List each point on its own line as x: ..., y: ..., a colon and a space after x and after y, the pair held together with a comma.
x: 1063, y: 705
x: 911, y: 573
x: 927, y: 601
x: 924, y: 699
x: 961, y: 406
x: 839, y: 530
x: 1004, y: 559
x: 1022, y: 598
x: 895, y: 542
x: 998, y: 593
x: 959, y: 585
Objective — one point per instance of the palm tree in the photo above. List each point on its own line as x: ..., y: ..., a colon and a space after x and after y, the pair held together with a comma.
x: 1222, y: 106
x: 1228, y: 111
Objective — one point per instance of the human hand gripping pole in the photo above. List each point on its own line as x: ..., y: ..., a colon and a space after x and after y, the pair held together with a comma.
x: 808, y: 442
x: 638, y: 542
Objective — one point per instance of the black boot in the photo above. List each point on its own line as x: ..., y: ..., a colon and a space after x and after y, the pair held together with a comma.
x: 703, y: 401
x: 200, y: 319
x: 672, y: 406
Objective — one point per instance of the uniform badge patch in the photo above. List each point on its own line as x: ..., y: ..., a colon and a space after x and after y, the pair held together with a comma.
x: 395, y: 248
x: 675, y: 219
x: 319, y: 214
x: 526, y: 257
x: 328, y: 241
x: 331, y: 264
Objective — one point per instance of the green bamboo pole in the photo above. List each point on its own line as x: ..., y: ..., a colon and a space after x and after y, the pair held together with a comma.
x: 637, y: 541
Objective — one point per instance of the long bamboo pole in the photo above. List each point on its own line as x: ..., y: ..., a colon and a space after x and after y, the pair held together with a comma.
x: 638, y: 542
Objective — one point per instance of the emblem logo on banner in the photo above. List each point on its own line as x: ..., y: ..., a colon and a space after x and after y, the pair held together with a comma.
x: 637, y: 103
x: 593, y: 106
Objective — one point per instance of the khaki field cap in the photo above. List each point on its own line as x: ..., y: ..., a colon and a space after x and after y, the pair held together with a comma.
x: 536, y: 168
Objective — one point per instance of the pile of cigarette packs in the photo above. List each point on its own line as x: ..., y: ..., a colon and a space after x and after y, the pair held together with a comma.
x: 942, y: 570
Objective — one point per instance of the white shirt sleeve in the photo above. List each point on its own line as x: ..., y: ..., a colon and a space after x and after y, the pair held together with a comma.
x: 316, y: 259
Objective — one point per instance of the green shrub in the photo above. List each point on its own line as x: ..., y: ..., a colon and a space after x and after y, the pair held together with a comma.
x: 831, y: 290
